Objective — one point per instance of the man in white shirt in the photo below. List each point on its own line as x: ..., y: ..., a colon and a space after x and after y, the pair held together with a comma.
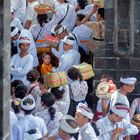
x: 114, y: 126
x: 21, y: 63
x: 31, y: 15
x: 68, y: 127
x: 83, y: 118
x: 70, y: 57
x: 61, y: 32
x: 119, y: 96
x: 28, y: 122
x: 16, y: 34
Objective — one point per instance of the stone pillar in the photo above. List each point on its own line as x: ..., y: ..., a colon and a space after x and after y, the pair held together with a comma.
x: 4, y: 68
x: 121, y: 53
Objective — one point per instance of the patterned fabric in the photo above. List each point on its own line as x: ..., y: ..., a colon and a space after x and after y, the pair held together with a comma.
x: 79, y: 90
x: 98, y: 29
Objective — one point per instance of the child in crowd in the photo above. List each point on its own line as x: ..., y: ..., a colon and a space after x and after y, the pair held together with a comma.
x: 62, y: 98
x: 33, y: 87
x: 50, y: 114
x: 78, y: 89
x: 46, y: 67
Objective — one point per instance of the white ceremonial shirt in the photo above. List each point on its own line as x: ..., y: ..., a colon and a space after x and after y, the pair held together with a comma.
x: 27, y: 123
x: 60, y: 52
x: 13, y: 120
x: 67, y: 60
x: 39, y: 33
x: 69, y: 20
x: 32, y: 48
x: 83, y: 33
x: 106, y: 127
x: 79, y: 90
x: 20, y: 67
x: 16, y: 23
x: 50, y: 124
x: 117, y: 97
x: 86, y: 132
x: 57, y: 137
x: 64, y: 103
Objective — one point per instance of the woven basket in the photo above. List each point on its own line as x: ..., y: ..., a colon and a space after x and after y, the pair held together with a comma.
x: 43, y: 9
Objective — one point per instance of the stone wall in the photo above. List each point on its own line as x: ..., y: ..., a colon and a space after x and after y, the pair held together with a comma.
x: 119, y: 56
x: 4, y: 68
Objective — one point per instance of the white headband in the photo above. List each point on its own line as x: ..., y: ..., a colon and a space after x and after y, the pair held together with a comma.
x: 129, y: 81
x: 14, y: 32
x: 23, y: 41
x: 66, y: 127
x: 58, y: 31
x: 84, y: 110
x: 68, y: 41
x: 28, y: 106
x: 120, y: 110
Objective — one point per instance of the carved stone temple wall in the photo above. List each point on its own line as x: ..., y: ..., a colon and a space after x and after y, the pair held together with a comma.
x: 4, y: 68
x: 121, y: 53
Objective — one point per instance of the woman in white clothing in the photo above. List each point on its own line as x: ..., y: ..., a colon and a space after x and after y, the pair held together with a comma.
x: 49, y: 114
x: 62, y: 98
x: 78, y: 89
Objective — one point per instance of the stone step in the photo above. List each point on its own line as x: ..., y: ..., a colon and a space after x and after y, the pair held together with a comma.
x: 132, y: 64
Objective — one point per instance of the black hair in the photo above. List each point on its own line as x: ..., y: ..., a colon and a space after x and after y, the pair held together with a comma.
x: 20, y: 91
x: 74, y: 74
x: 82, y: 3
x: 101, y: 12
x: 32, y: 131
x: 15, y: 107
x: 80, y: 17
x: 57, y: 93
x: 14, y: 84
x: 106, y: 76
x: 41, y: 80
x: 42, y: 18
x: 48, y: 99
x: 27, y: 112
x: 33, y: 75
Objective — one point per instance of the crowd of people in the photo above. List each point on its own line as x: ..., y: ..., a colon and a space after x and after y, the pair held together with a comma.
x: 41, y: 112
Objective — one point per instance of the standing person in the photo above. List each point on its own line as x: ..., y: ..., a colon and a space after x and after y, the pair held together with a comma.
x: 62, y: 98
x: 127, y: 85
x: 78, y: 89
x: 65, y: 15
x: 21, y: 63
x: 70, y: 57
x: 16, y: 34
x: 114, y: 126
x: 61, y: 32
x: 102, y: 104
x: 83, y: 118
x: 67, y: 129
x: 33, y: 87
x: 50, y: 114
x: 28, y: 122
x: 31, y: 15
